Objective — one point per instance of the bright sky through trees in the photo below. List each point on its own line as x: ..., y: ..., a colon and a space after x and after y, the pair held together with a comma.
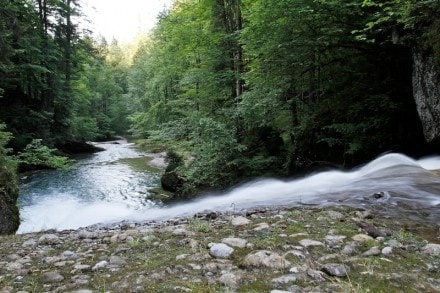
x: 123, y: 19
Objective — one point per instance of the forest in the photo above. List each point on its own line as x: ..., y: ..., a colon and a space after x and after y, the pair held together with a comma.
x: 236, y: 89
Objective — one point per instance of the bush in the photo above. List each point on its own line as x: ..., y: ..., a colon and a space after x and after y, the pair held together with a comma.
x: 9, y: 215
x: 36, y: 155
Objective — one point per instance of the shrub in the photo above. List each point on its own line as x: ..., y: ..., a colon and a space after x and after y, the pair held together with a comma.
x: 36, y: 155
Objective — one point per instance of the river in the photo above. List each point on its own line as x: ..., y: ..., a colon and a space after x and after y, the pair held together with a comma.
x: 113, y: 186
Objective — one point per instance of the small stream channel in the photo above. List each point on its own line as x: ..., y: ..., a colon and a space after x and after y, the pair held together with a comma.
x: 113, y: 186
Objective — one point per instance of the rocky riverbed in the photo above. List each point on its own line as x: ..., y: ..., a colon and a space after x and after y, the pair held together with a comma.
x: 334, y: 249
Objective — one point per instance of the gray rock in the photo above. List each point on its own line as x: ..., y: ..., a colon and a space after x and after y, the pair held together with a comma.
x: 30, y: 243
x: 261, y: 226
x: 235, y: 242
x: 431, y: 249
x: 265, y: 258
x: 80, y: 268
x: 220, y: 250
x: 68, y: 254
x: 373, y: 251
x: 394, y: 243
x: 296, y: 253
x: 240, y: 221
x: 229, y: 280
x: 286, y: 279
x: 334, y: 239
x: 336, y: 270
x: 349, y: 249
x: 48, y: 239
x: 279, y: 291
x: 52, y: 277
x: 100, y: 265
x: 183, y: 232
x: 310, y: 243
x: 117, y: 261
x: 335, y: 215
x: 84, y: 234
x: 14, y: 266
x: 362, y: 238
x: 316, y: 275
x: 387, y: 250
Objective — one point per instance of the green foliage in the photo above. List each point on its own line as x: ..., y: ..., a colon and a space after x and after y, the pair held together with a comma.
x: 37, y: 155
x: 9, y: 215
x: 262, y: 87
x: 174, y: 160
x: 85, y: 128
x: 217, y: 156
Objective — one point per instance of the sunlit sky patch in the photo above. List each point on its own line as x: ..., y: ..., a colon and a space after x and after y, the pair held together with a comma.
x: 123, y: 20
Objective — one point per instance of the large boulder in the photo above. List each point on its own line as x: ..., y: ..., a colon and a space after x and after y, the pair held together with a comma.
x: 426, y: 91
x: 171, y: 181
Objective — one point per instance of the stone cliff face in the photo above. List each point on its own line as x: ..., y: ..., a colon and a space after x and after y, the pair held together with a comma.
x: 426, y: 89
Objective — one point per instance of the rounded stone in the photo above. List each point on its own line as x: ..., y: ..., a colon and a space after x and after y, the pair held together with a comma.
x: 431, y: 249
x: 336, y: 270
x: 220, y: 250
x: 48, y: 239
x: 240, y: 221
x: 52, y: 277
x: 235, y: 242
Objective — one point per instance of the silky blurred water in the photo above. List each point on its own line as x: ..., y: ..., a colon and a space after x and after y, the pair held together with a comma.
x: 102, y: 189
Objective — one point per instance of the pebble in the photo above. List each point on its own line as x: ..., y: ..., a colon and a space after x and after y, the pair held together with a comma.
x: 100, y: 265
x: 265, y: 258
x: 52, y: 277
x: 362, y: 238
x: 48, y: 239
x: 431, y: 249
x: 117, y: 261
x: 349, y: 249
x: 337, y: 216
x: 336, y: 270
x: 286, y: 279
x: 310, y: 243
x: 235, y: 242
x: 220, y: 250
x: 240, y: 221
x: 87, y: 256
x: 229, y: 279
x: 261, y: 226
x: 387, y: 250
x: 373, y: 251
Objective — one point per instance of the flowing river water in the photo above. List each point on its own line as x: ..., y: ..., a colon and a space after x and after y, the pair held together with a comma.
x: 113, y: 186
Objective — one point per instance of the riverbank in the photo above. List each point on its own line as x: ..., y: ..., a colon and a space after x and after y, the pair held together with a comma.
x: 334, y: 249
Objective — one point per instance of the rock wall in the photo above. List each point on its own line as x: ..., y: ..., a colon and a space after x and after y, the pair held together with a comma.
x: 426, y: 90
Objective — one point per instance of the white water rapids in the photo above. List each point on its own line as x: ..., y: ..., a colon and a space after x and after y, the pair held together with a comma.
x: 392, y: 184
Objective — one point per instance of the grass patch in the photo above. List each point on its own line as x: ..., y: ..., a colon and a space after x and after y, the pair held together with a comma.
x: 197, y: 225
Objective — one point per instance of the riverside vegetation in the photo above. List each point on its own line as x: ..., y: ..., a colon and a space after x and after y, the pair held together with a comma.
x: 334, y: 249
x: 241, y: 89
